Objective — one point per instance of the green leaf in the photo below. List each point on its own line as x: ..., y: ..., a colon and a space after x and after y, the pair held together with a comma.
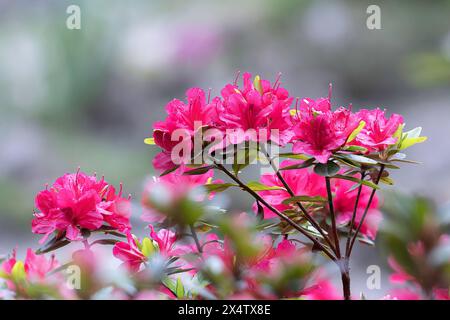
x: 291, y: 155
x: 366, y: 241
x: 260, y: 212
x: 411, y: 138
x: 398, y: 133
x: 409, y: 142
x: 355, y: 149
x: 179, y: 289
x: 398, y: 156
x: 304, y: 164
x: 355, y: 132
x: 258, y: 186
x: 349, y: 163
x: 53, y: 244
x: 359, y: 181
x: 169, y: 171
x: 150, y: 141
x: 358, y: 158
x: 244, y: 157
x: 318, y: 199
x: 387, y: 180
x: 198, y: 171
x: 406, y: 161
x: 257, y: 84
x: 328, y: 169
x: 105, y: 242
x: 148, y: 248
x: 218, y: 187
x: 18, y: 272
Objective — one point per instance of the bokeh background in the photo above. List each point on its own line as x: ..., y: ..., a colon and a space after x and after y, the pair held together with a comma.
x: 88, y: 97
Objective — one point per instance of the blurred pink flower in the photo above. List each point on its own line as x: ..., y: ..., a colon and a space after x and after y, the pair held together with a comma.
x: 301, y: 181
x: 344, y: 204
x: 403, y: 294
x: 172, y: 186
x: 321, y: 289
x: 36, y: 267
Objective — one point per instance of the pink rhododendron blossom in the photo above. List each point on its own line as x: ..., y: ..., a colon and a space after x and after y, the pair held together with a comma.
x: 319, y: 131
x: 166, y: 241
x: 258, y: 105
x: 344, y: 204
x: 129, y: 253
x: 182, y: 121
x: 134, y: 253
x: 78, y: 201
x: 306, y: 183
x: 301, y: 181
x: 378, y: 131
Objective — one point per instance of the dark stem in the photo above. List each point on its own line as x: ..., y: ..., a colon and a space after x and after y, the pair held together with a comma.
x: 345, y: 276
x: 302, y: 208
x: 352, y: 222
x: 365, y: 211
x: 333, y: 217
x: 278, y: 213
x: 194, y: 235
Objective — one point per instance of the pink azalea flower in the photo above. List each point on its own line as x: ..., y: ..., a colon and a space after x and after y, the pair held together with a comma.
x: 319, y: 131
x: 78, y: 201
x: 344, y: 204
x: 186, y: 119
x: 133, y: 253
x: 166, y: 240
x: 378, y: 132
x: 302, y: 182
x: 129, y: 253
x: 263, y: 106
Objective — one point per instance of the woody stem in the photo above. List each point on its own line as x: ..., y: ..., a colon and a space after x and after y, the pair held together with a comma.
x: 380, y: 174
x: 316, y: 242
x: 298, y: 203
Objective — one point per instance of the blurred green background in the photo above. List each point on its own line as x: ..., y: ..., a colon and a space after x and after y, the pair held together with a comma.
x: 89, y: 97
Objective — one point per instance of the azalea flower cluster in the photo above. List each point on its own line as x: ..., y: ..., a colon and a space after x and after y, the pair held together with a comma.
x: 320, y: 197
x: 244, y: 113
x: 78, y: 201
